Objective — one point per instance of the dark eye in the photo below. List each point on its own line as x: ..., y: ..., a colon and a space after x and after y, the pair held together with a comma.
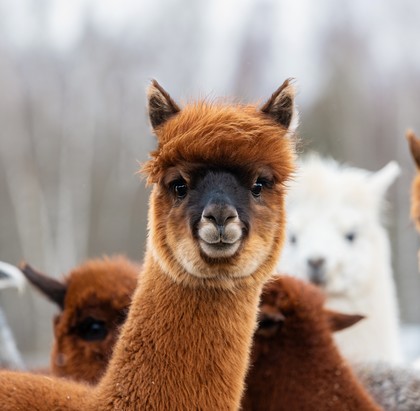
x: 350, y: 236
x: 258, y: 186
x: 91, y: 329
x: 293, y: 239
x: 267, y: 323
x: 180, y: 188
x: 256, y: 189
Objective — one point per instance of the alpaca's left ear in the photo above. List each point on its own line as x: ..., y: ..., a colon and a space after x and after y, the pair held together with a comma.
x: 161, y: 105
x: 382, y: 179
x: 339, y: 321
x: 281, y: 107
x: 414, y: 144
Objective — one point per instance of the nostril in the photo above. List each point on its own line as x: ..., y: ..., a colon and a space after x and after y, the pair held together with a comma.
x: 209, y: 217
x: 219, y: 214
x: 316, y: 263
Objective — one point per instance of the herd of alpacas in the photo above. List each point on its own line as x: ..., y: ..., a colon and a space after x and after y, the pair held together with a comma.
x: 266, y: 283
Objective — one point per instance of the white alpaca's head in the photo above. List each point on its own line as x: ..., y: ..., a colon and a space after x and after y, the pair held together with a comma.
x: 334, y: 232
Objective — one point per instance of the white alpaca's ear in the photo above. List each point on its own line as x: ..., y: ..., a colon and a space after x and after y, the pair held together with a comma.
x: 282, y: 108
x: 161, y: 105
x: 382, y: 179
x: 11, y: 277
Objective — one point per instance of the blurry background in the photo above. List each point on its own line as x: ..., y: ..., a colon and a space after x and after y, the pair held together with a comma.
x: 73, y: 124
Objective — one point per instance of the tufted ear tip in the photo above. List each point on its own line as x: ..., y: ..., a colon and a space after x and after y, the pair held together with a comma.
x: 53, y: 289
x: 161, y: 105
x: 414, y: 145
x: 281, y: 106
x: 340, y: 321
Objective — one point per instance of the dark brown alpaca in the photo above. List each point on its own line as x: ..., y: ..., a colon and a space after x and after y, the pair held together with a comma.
x: 216, y: 227
x: 93, y: 300
x: 295, y: 365
x: 414, y: 145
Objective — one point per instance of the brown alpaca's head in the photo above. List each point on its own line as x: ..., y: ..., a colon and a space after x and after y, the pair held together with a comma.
x: 414, y: 144
x: 289, y: 304
x: 94, y: 299
x: 219, y: 174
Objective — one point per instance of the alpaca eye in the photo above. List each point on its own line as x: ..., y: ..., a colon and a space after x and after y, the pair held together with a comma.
x: 91, y: 329
x: 293, y: 239
x: 256, y: 189
x: 351, y: 236
x: 261, y: 183
x: 180, y: 189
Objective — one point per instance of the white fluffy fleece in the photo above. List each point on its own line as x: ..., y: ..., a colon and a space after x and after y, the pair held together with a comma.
x: 395, y: 388
x: 10, y: 277
x: 336, y: 238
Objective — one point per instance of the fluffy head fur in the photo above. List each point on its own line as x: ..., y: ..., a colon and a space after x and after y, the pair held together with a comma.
x: 337, y: 241
x: 414, y: 145
x: 94, y: 299
x: 295, y: 364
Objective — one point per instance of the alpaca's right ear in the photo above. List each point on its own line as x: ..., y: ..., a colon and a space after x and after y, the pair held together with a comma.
x: 339, y: 321
x: 414, y: 144
x: 54, y: 290
x: 161, y: 105
x: 281, y: 107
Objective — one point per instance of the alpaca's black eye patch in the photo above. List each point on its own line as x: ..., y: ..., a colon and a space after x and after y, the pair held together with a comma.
x: 91, y: 329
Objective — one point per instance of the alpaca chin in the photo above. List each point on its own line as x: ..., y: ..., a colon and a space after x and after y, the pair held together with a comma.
x: 219, y: 250
x: 189, y: 256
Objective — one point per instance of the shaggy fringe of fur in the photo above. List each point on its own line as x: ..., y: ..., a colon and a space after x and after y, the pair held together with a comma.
x: 221, y: 136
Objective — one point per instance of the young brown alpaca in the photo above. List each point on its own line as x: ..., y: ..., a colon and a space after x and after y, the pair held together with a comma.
x: 94, y: 300
x: 295, y: 364
x: 414, y: 145
x: 216, y: 227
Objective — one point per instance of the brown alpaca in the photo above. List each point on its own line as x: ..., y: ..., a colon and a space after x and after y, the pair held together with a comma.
x: 414, y: 144
x: 295, y: 364
x: 216, y: 227
x: 94, y: 300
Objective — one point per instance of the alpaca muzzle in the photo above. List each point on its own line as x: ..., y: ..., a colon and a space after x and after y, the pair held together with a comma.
x: 220, y: 230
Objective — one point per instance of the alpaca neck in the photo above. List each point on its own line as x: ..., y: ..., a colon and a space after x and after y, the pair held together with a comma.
x: 181, y: 348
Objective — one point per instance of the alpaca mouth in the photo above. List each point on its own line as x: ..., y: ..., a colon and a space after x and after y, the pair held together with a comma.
x: 219, y: 249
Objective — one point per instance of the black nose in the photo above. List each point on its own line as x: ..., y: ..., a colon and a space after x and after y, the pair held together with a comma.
x: 219, y: 213
x: 317, y: 270
x: 316, y: 263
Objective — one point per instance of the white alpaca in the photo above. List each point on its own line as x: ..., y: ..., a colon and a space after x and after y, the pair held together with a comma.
x: 336, y: 240
x: 10, y: 277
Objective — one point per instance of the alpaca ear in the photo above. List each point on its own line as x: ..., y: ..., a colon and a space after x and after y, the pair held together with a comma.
x: 339, y: 321
x: 414, y: 144
x: 281, y: 107
x: 382, y: 179
x: 161, y: 105
x: 53, y: 289
x: 11, y: 277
